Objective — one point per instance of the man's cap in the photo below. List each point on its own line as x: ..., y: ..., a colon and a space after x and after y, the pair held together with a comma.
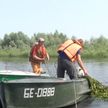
x: 79, y: 41
x: 41, y: 40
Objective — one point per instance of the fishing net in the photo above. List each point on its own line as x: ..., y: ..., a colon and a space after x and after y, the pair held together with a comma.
x: 98, y: 90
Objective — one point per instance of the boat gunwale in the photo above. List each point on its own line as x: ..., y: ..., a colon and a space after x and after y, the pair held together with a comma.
x: 44, y: 80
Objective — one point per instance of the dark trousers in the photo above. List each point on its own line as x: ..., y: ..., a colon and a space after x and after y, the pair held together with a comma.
x: 65, y: 65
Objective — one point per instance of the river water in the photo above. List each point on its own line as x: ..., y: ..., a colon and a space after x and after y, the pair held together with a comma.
x: 97, y: 69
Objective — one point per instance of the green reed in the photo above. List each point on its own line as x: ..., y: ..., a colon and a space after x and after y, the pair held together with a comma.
x: 98, y: 90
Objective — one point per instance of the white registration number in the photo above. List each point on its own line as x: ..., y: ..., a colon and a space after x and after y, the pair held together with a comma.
x: 40, y: 92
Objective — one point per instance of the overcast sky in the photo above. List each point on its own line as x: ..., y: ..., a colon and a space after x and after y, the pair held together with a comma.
x: 81, y: 18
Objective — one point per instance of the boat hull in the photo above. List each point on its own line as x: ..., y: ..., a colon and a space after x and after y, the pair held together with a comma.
x: 43, y: 92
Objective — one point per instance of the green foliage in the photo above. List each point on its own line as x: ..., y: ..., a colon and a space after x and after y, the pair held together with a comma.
x: 19, y: 44
x: 97, y: 89
x: 14, y: 52
x: 96, y: 48
x: 15, y: 40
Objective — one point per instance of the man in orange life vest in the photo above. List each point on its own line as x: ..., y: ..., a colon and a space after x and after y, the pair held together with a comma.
x: 69, y: 53
x: 38, y: 54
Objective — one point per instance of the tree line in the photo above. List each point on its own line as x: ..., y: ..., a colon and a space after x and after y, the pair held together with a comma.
x: 19, y: 44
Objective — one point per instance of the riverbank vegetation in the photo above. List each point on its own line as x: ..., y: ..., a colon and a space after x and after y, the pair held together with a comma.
x: 19, y: 45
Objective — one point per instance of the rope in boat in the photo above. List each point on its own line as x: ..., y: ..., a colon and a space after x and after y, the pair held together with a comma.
x: 76, y: 106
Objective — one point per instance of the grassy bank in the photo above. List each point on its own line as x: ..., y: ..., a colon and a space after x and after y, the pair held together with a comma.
x: 14, y: 52
x: 87, y: 53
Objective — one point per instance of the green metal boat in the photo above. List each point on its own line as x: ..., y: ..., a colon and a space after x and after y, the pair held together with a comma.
x: 42, y: 92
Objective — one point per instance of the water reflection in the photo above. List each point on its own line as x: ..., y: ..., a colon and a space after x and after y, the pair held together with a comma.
x: 98, y: 69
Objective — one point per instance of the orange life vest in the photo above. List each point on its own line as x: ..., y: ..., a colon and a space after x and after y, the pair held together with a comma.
x: 40, y: 51
x: 70, y: 48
